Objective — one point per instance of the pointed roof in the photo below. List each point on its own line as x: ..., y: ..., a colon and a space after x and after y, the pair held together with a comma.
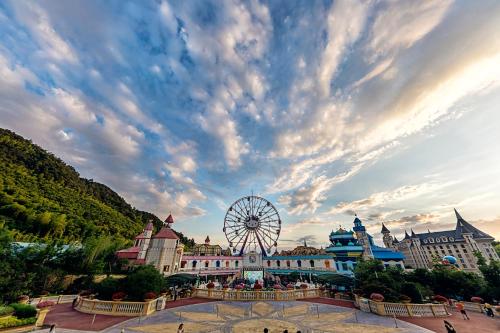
x: 464, y: 227
x: 413, y: 234
x: 406, y: 235
x: 395, y: 240
x: 207, y: 240
x: 384, y: 229
x: 169, y: 219
x: 305, y: 243
x: 166, y: 232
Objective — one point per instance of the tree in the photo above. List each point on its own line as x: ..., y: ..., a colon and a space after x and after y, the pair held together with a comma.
x: 491, y: 274
x: 141, y: 280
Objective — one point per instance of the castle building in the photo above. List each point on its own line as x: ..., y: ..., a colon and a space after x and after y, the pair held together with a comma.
x: 207, y: 249
x: 162, y: 250
x: 347, y: 247
x: 421, y: 249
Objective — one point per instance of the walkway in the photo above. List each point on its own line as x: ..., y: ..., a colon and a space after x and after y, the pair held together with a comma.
x: 64, y: 316
x: 478, y: 322
x: 330, y: 301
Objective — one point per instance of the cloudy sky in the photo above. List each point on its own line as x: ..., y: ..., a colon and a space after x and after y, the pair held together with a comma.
x: 327, y: 108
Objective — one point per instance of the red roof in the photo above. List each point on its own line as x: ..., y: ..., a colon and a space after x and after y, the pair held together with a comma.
x: 169, y: 219
x: 130, y: 253
x: 166, y: 233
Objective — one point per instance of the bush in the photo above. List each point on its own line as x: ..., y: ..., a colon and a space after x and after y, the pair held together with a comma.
x: 142, y: 280
x: 14, y: 322
x: 6, y: 310
x: 24, y: 310
x: 45, y: 304
x: 411, y: 290
x: 118, y: 296
x: 377, y: 297
x: 150, y: 295
x: 107, y: 287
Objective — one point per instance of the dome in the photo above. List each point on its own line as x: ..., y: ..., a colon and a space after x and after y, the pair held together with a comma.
x: 350, y: 243
x: 338, y: 244
x: 450, y: 259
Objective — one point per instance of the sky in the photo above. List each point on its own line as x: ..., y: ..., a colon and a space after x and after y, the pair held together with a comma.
x: 386, y: 109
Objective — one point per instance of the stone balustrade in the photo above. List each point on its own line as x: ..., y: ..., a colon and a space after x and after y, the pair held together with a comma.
x: 57, y: 299
x: 401, y: 309
x: 253, y: 295
x: 115, y: 308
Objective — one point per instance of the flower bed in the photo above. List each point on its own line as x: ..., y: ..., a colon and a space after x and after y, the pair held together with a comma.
x: 6, y: 311
x: 15, y: 322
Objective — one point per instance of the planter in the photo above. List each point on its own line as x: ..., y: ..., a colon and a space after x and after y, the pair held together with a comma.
x: 42, y: 313
x: 23, y: 299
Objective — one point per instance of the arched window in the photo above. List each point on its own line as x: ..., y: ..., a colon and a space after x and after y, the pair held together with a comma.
x: 227, y: 263
x: 183, y: 263
x: 217, y: 264
x: 206, y: 264
x: 311, y: 263
x: 299, y: 263
x: 269, y: 263
x: 327, y: 263
x: 194, y: 264
x: 288, y: 263
x: 236, y: 264
x: 278, y: 263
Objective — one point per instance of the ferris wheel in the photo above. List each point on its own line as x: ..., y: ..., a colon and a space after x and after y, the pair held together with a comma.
x: 252, y: 222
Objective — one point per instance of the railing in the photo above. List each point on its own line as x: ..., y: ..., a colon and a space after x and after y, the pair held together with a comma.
x: 132, y: 309
x: 470, y: 306
x: 58, y: 299
x: 252, y: 295
x: 401, y: 309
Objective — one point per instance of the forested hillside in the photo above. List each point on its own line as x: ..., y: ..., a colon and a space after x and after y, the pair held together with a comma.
x: 41, y: 197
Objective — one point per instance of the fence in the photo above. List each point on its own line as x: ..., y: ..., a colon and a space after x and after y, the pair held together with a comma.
x: 252, y: 295
x: 58, y: 299
x: 132, y: 309
x: 401, y: 309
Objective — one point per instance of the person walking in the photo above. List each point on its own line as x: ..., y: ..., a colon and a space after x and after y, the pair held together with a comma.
x: 489, y: 310
x: 461, y: 308
x: 175, y: 293
x: 449, y: 327
x: 266, y: 330
x: 180, y: 329
x: 52, y: 328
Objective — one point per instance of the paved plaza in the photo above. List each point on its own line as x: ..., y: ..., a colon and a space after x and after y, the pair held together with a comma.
x: 245, y: 317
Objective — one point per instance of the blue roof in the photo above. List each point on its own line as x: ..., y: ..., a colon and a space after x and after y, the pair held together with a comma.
x: 344, y: 248
x: 386, y: 254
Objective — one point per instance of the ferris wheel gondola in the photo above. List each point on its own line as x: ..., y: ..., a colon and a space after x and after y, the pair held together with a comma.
x: 252, y: 222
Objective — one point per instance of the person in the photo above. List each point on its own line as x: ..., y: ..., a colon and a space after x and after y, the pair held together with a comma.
x: 489, y: 310
x: 449, y: 327
x: 266, y: 330
x: 175, y: 293
x: 180, y: 329
x: 52, y: 328
x: 461, y: 308
x: 285, y: 331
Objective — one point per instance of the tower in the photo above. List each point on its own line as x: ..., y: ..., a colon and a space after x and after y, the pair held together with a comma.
x: 207, y: 241
x: 142, y: 241
x: 362, y: 238
x: 387, y: 238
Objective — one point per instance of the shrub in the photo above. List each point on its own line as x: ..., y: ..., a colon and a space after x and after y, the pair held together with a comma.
x: 238, y: 287
x: 118, y: 295
x: 440, y: 299
x: 277, y: 286
x: 6, y: 310
x: 377, y: 297
x: 289, y: 286
x: 107, y: 287
x: 14, y: 322
x: 257, y: 286
x: 45, y: 304
x: 23, y: 310
x: 411, y: 290
x: 150, y: 295
x: 142, y: 280
x: 476, y: 299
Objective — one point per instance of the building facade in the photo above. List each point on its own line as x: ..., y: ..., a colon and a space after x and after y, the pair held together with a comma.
x: 421, y: 250
x: 163, y: 250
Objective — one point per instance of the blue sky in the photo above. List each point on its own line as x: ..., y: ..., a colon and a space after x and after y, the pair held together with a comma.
x: 326, y: 108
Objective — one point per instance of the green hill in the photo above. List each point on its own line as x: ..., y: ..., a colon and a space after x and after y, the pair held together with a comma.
x: 41, y: 197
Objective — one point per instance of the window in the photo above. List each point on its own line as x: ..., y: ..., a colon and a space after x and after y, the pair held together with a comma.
x: 217, y: 264
x: 166, y: 268
x: 227, y: 263
x: 183, y: 263
x: 236, y: 264
x: 206, y: 264
x: 278, y: 263
x: 344, y: 266
x: 194, y: 264
x: 299, y: 263
x: 327, y: 263
x: 288, y: 263
x: 431, y: 240
x: 269, y: 263
x: 311, y: 263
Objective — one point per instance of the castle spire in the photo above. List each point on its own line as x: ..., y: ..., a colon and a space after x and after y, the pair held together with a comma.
x: 384, y: 229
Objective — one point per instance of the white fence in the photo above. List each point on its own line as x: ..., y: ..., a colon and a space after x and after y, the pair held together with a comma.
x: 252, y: 295
x: 402, y: 309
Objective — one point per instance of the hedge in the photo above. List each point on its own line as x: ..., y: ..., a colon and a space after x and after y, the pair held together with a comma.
x: 23, y: 310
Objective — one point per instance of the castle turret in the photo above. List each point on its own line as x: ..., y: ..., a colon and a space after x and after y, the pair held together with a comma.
x: 362, y: 237
x: 142, y: 241
x: 387, y: 238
